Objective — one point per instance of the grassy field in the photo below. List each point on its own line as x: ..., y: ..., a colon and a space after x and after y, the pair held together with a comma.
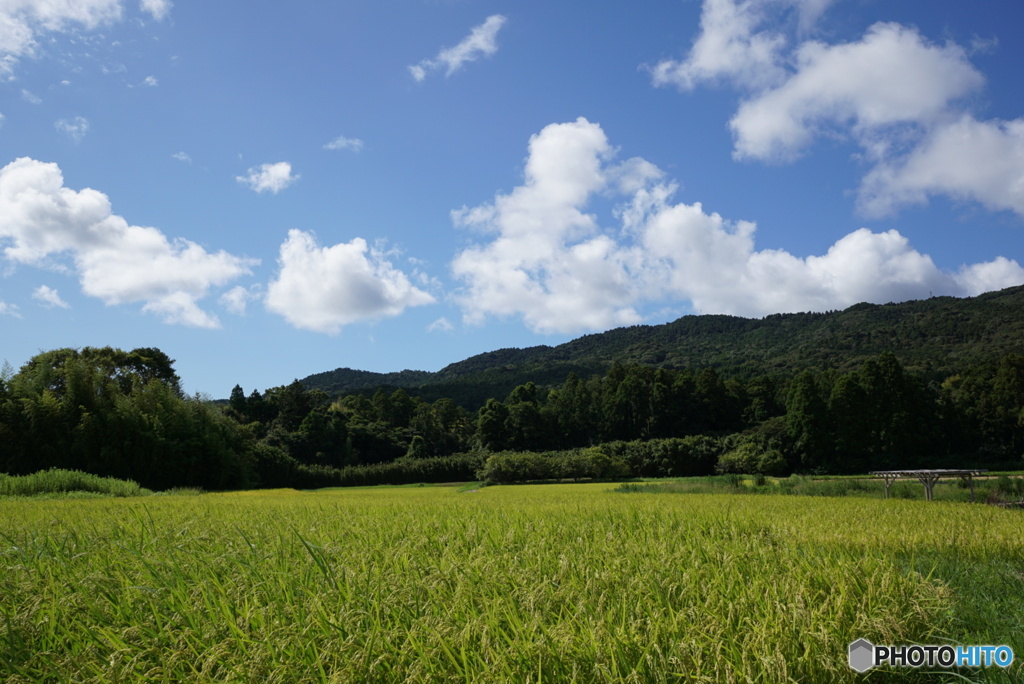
x: 505, y: 584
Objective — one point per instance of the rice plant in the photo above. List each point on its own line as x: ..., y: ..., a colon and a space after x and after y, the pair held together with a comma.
x: 525, y: 584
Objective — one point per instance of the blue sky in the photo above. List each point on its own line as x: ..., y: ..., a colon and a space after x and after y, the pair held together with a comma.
x: 269, y: 190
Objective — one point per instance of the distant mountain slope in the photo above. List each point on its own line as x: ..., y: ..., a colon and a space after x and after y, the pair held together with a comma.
x: 938, y: 336
x: 347, y: 381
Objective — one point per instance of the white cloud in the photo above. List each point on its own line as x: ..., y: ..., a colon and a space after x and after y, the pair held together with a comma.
x: 713, y: 263
x: 75, y: 128
x: 991, y: 275
x: 343, y: 143
x: 181, y: 308
x: 442, y: 324
x: 891, y: 76
x: 237, y: 299
x: 418, y: 72
x: 966, y: 159
x: 547, y: 261
x: 729, y: 47
x: 23, y: 23
x: 899, y: 97
x: 49, y: 297
x: 158, y: 9
x: 150, y: 82
x: 809, y: 11
x: 42, y: 221
x: 182, y: 157
x: 735, y: 45
x: 325, y: 288
x: 168, y: 275
x: 269, y: 177
x: 9, y: 309
x: 984, y: 46
x: 481, y: 42
x: 30, y: 97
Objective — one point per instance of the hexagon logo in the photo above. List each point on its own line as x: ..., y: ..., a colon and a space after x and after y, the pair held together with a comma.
x: 862, y: 655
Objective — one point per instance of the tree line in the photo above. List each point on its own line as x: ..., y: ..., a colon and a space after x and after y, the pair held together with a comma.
x: 123, y: 414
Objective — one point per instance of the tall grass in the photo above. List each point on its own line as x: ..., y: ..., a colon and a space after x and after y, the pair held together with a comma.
x: 64, y: 482
x: 524, y: 584
x: 1003, y: 489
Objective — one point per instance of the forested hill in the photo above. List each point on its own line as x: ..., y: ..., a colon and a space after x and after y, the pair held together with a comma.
x: 936, y: 337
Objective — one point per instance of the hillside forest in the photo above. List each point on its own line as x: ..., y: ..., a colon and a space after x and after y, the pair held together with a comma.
x: 123, y: 414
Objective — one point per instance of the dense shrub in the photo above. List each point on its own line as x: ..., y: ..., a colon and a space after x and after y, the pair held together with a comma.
x: 590, y: 463
x: 772, y: 462
x: 750, y: 458
x: 276, y: 468
x: 518, y: 466
x: 576, y: 464
x: 454, y: 468
x: 691, y: 456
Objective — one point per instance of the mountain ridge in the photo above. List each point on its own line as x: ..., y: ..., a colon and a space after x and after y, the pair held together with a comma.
x: 939, y: 336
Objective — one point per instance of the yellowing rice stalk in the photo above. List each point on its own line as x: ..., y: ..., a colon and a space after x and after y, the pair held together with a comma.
x: 524, y: 584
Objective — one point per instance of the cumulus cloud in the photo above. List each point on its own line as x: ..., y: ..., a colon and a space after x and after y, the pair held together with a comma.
x: 900, y: 97
x: 891, y: 76
x: 739, y: 43
x: 714, y: 264
x: 43, y: 223
x: 544, y: 259
x: 343, y: 143
x: 9, y: 309
x: 75, y: 128
x: 150, y: 82
x: 49, y: 297
x: 481, y: 42
x: 23, y: 23
x: 325, y: 288
x: 549, y: 263
x: 269, y: 177
x: 729, y: 48
x: 158, y: 9
x: 966, y: 159
x: 236, y: 300
x: 992, y: 275
x: 182, y: 157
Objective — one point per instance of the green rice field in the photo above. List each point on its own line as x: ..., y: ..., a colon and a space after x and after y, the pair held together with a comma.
x: 559, y: 583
